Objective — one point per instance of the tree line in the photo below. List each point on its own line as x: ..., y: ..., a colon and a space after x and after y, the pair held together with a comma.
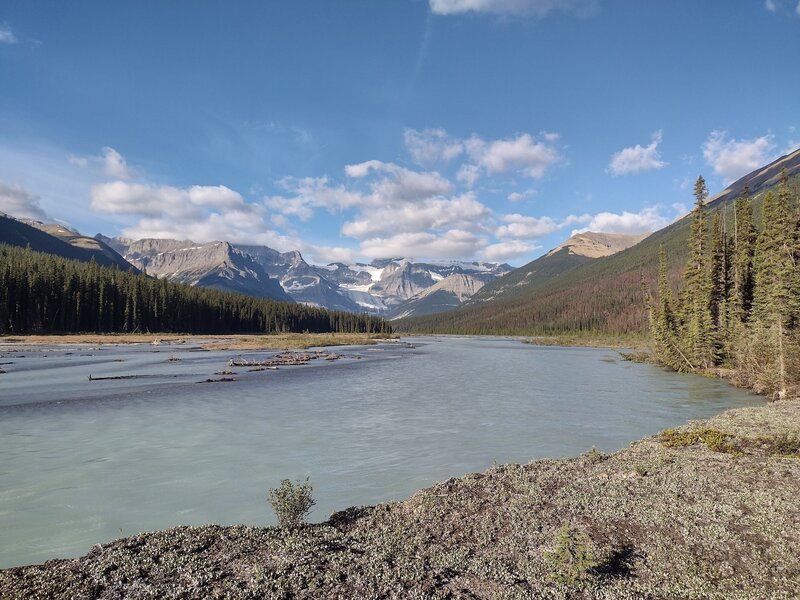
x: 44, y: 293
x: 738, y: 309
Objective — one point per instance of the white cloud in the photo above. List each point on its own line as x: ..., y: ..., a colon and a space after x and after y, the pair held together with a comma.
x: 307, y: 193
x: 797, y: 9
x: 527, y: 227
x: 431, y: 213
x: 531, y: 8
x: 732, y: 158
x: 451, y: 244
x: 111, y: 163
x: 20, y: 203
x: 770, y: 5
x: 6, y: 35
x: 508, y: 250
x: 429, y: 146
x: 468, y: 174
x: 114, y: 164
x: 202, y: 214
x: 520, y: 196
x: 637, y: 159
x: 524, y: 154
x: 647, y: 219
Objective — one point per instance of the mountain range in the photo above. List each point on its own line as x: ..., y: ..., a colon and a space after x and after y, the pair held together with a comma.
x: 381, y: 287
x: 590, y: 282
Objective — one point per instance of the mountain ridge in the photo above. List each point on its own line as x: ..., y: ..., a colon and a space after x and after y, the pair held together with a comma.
x: 601, y: 295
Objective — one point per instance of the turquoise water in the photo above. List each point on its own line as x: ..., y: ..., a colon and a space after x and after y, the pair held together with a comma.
x: 84, y: 462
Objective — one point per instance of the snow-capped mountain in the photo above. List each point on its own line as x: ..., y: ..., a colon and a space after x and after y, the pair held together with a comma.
x: 217, y: 265
x: 378, y: 288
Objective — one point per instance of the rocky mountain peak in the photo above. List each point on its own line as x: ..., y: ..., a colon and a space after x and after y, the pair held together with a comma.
x: 594, y: 244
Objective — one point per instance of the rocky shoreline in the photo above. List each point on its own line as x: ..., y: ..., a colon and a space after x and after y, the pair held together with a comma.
x: 708, y: 510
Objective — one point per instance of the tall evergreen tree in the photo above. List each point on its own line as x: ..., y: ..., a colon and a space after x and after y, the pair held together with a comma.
x: 776, y: 299
x: 720, y: 285
x: 744, y: 242
x: 696, y: 305
x: 663, y: 322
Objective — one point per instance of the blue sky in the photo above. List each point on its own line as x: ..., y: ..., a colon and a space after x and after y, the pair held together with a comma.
x: 471, y: 129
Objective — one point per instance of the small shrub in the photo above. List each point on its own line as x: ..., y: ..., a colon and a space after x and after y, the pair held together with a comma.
x: 715, y: 440
x: 594, y: 456
x: 782, y: 444
x: 573, y: 556
x: 291, y: 502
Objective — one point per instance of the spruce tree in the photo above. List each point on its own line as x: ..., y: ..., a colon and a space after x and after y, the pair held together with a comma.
x: 720, y: 286
x: 697, y: 294
x: 663, y: 322
x: 776, y: 299
x: 744, y: 241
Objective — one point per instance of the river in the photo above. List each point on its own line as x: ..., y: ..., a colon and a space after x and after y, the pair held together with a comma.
x: 84, y: 462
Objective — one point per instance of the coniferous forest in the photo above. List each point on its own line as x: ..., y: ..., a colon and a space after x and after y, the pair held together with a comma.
x: 43, y: 293
x: 738, y: 308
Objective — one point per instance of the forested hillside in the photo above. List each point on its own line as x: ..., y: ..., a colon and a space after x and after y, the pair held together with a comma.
x: 739, y: 308
x: 43, y: 293
x: 603, y: 295
x: 57, y: 240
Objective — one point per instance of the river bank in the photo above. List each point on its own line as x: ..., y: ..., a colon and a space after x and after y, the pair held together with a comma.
x: 707, y: 510
x: 275, y: 341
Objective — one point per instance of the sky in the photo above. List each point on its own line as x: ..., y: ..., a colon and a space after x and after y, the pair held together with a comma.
x: 362, y: 129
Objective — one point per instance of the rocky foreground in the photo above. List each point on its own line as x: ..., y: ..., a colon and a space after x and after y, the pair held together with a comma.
x: 709, y: 510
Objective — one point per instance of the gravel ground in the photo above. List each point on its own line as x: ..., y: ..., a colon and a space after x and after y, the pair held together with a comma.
x: 709, y: 510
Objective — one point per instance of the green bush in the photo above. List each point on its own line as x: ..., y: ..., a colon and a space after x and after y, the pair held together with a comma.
x: 291, y: 502
x: 715, y: 440
x: 573, y: 556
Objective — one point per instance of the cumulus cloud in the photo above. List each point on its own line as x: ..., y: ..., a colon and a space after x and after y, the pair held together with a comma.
x: 527, y: 227
x: 520, y: 196
x: 732, y: 158
x: 110, y: 162
x: 18, y: 202
x: 770, y: 5
x: 307, y: 193
x: 647, y: 219
x: 529, y: 8
x: 6, y: 35
x: 430, y: 146
x: 401, y: 184
x: 523, y: 153
x: 429, y: 213
x: 203, y: 213
x: 637, y: 159
x: 508, y: 250
x: 450, y: 244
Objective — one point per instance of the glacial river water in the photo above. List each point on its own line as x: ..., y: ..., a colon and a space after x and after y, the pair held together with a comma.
x: 84, y: 462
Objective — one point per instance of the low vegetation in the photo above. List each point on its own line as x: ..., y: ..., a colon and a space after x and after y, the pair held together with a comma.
x: 650, y: 521
x: 291, y: 502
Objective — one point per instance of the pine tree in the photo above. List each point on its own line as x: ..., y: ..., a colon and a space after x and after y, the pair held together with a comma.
x: 663, y: 323
x: 776, y: 299
x: 744, y: 241
x: 721, y: 286
x: 696, y: 305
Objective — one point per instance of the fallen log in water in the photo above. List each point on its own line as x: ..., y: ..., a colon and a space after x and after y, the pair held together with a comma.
x: 114, y: 377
